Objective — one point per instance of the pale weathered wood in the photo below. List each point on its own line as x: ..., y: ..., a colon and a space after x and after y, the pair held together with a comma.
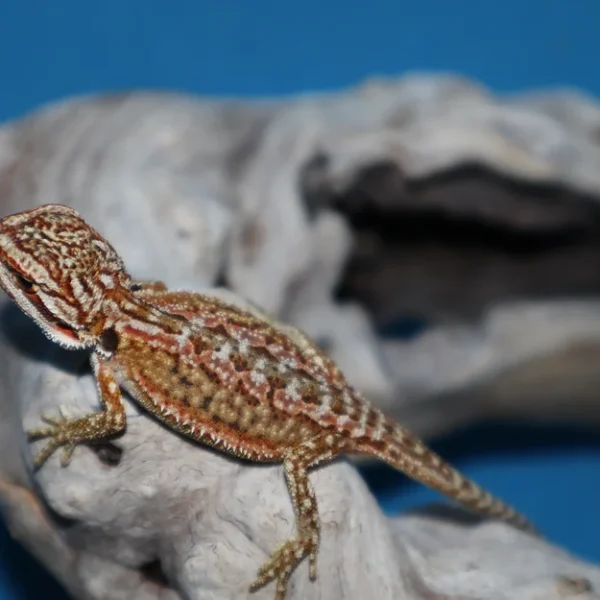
x: 190, y: 190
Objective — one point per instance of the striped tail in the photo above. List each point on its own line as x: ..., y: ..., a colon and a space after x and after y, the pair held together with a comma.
x: 402, y: 450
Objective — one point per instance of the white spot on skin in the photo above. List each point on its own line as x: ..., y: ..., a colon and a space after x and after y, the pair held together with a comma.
x: 107, y: 281
x: 291, y: 389
x: 224, y: 352
x: 344, y: 420
x: 78, y: 290
x: 362, y: 424
x: 347, y: 398
x: 322, y: 411
x: 290, y: 362
x: 417, y: 448
x: 261, y: 364
x: 244, y: 346
x: 257, y: 378
x: 183, y: 339
x: 380, y: 427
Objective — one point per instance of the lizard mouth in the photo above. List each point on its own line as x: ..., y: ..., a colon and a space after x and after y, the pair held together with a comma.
x: 24, y: 293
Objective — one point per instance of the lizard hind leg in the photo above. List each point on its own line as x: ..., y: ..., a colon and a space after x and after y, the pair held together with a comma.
x: 317, y: 450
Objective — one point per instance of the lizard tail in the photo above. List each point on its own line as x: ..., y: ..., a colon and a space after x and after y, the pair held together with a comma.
x: 402, y: 450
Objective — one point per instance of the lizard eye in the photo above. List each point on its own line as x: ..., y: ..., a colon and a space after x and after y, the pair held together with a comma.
x: 24, y: 283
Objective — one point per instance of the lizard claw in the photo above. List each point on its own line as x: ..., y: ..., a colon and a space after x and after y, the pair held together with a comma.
x: 282, y: 563
x: 50, y: 419
x: 54, y: 420
x: 66, y: 455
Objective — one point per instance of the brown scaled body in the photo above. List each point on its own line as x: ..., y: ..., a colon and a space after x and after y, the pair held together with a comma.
x: 223, y: 376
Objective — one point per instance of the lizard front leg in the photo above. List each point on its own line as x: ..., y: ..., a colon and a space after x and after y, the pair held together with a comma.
x: 66, y: 433
x: 322, y: 448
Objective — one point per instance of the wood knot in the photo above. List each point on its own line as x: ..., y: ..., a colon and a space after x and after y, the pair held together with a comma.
x: 574, y: 585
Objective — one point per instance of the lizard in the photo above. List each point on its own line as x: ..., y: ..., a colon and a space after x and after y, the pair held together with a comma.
x: 225, y: 376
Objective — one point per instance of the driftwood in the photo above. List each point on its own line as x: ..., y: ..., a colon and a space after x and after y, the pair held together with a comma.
x: 312, y: 209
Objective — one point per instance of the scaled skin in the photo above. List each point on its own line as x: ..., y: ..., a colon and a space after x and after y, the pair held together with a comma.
x: 220, y: 375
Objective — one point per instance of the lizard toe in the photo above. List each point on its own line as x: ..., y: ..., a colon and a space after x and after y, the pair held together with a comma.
x: 282, y: 563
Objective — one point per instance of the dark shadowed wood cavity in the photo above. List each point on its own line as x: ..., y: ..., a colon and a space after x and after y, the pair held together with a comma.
x: 447, y: 248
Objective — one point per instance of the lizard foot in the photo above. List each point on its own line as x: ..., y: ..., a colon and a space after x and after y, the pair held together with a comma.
x: 283, y: 562
x: 66, y: 433
x: 60, y: 431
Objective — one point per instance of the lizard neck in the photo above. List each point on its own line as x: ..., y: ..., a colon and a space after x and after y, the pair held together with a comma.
x: 123, y: 309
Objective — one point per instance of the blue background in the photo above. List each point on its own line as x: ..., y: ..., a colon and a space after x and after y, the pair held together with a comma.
x: 52, y: 49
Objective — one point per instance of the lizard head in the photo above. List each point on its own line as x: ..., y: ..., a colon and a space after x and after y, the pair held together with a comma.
x: 59, y: 271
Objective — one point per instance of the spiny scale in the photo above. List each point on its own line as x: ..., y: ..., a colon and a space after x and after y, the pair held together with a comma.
x: 229, y: 378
